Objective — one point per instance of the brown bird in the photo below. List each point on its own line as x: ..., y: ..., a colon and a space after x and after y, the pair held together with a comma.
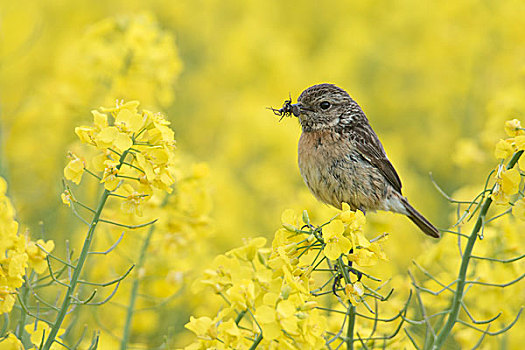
x: 341, y: 158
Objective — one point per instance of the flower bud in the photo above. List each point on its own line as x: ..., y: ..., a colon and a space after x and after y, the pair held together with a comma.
x: 285, y: 292
x: 289, y: 227
x: 306, y: 218
x: 309, y: 305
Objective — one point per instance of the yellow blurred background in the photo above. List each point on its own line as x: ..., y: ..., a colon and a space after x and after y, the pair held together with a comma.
x: 436, y: 80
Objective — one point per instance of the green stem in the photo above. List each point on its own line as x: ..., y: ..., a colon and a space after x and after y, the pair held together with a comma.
x: 351, y: 308
x: 256, y: 342
x: 460, y: 287
x: 80, y: 264
x: 21, y: 323
x: 135, y: 289
x: 350, y: 328
x: 239, y: 317
x: 76, y: 273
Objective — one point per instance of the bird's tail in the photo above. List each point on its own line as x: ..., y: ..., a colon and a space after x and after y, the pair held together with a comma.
x: 420, y: 220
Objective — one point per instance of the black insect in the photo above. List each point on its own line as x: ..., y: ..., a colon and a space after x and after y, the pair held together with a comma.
x: 287, y: 110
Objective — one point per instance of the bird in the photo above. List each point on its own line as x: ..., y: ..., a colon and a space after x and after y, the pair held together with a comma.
x: 341, y: 158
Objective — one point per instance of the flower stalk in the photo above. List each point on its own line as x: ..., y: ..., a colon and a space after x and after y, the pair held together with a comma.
x: 80, y: 264
x: 467, y: 254
x: 135, y: 289
x: 350, y: 313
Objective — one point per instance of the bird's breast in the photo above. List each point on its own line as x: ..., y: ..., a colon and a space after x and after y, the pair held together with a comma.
x: 318, y: 152
x: 336, y: 172
x: 320, y: 147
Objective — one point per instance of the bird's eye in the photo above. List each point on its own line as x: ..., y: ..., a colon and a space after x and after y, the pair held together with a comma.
x: 324, y: 105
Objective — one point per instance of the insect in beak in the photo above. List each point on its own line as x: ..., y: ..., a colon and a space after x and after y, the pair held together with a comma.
x: 287, y: 109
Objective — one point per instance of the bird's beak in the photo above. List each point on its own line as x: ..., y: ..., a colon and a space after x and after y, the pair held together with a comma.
x: 296, y: 109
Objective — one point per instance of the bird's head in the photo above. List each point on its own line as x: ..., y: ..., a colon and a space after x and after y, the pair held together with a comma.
x: 323, y: 106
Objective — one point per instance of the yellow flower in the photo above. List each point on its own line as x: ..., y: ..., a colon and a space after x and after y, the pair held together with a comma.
x: 109, y: 178
x: 134, y: 201
x: 232, y: 335
x: 37, y: 256
x: 153, y: 159
x: 165, y: 178
x: 499, y: 197
x: 13, y: 258
x: 363, y: 257
x: 336, y: 243
x: 512, y: 127
x: 296, y: 280
x: 519, y: 142
x: 99, y: 161
x: 289, y: 220
x: 38, y: 334
x: 503, y: 149
x: 159, y: 132
x: 86, y: 134
x: 111, y: 137
x: 354, y: 291
x: 267, y: 318
x: 313, y: 329
x: 275, y: 319
x: 507, y: 184
x: 358, y: 239
x: 248, y: 251
x: 11, y: 342
x: 129, y: 121
x: 242, y: 294
x: 66, y: 198
x: 510, y: 181
x: 346, y: 214
x: 377, y: 249
x: 353, y: 220
x: 7, y: 298
x: 286, y: 310
x: 100, y: 120
x: 146, y: 166
x: 366, y: 253
x: 132, y: 106
x: 74, y: 169
x: 17, y: 263
x: 203, y: 327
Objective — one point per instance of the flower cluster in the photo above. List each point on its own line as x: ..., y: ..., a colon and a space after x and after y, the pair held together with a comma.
x: 133, y: 55
x: 17, y: 253
x: 134, y: 154
x: 13, y: 260
x: 274, y: 288
x: 508, y: 180
x: 265, y: 302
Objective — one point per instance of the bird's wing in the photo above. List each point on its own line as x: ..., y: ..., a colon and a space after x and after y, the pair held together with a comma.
x: 368, y: 144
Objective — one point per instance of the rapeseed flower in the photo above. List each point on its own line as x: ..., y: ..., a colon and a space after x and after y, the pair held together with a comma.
x: 11, y: 342
x: 336, y: 243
